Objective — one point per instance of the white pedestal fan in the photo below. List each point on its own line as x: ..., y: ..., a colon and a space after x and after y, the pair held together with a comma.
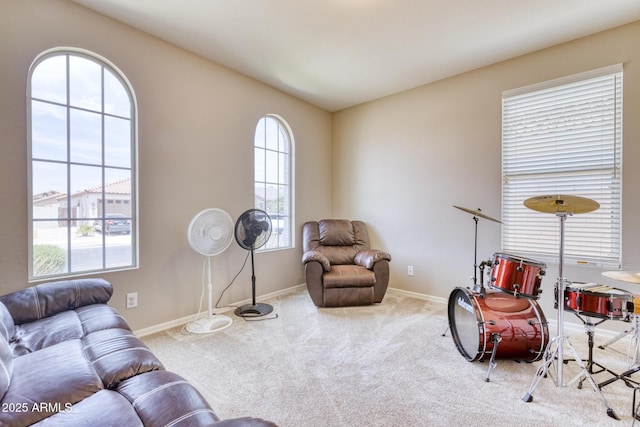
x: 210, y: 233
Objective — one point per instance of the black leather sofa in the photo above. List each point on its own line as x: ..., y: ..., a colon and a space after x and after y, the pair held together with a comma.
x: 69, y: 359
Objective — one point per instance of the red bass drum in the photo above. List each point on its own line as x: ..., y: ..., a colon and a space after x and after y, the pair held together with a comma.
x: 519, y: 322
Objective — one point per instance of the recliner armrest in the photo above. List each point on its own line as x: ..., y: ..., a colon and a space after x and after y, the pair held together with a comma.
x: 310, y: 256
x: 368, y: 258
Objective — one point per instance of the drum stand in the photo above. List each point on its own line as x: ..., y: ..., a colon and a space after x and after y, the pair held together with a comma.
x: 590, y: 329
x: 554, y: 350
x: 634, y: 345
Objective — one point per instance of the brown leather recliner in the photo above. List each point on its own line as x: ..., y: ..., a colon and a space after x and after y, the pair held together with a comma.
x: 340, y: 268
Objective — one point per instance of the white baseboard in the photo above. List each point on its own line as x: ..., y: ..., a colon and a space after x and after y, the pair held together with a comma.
x: 184, y: 320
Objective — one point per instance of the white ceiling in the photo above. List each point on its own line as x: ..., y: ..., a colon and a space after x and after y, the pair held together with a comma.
x: 340, y: 53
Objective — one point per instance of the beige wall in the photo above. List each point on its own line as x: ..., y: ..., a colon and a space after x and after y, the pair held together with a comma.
x: 401, y: 162
x: 196, y: 125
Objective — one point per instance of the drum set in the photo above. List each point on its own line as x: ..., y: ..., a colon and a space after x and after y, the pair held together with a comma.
x: 506, y: 322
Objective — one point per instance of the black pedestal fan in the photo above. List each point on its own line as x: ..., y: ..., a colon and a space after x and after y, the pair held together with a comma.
x: 252, y: 231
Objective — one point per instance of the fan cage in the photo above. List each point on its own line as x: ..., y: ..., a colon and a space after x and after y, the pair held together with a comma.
x: 210, y: 232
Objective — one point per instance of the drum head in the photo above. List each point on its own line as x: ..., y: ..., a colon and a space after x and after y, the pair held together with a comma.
x: 464, y: 323
x: 518, y: 259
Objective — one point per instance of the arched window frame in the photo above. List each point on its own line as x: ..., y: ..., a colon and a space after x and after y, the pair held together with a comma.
x: 81, y: 204
x: 274, y: 178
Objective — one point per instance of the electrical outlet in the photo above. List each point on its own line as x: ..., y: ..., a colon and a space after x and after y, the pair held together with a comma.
x: 132, y: 300
x: 410, y: 270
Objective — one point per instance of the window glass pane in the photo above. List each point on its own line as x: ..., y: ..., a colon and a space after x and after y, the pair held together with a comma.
x: 283, y: 169
x: 283, y: 140
x: 49, y: 80
x: 271, y: 166
x: 260, y: 196
x: 259, y: 139
x: 118, y: 192
x: 86, y: 250
x: 116, y: 99
x: 84, y: 180
x: 49, y: 248
x: 48, y: 131
x: 259, y: 165
x: 85, y: 83
x: 86, y: 137
x: 117, y: 141
x: 48, y: 188
x: 119, y: 251
x: 271, y: 134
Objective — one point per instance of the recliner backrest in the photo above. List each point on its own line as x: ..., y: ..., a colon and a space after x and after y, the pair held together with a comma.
x: 337, y: 239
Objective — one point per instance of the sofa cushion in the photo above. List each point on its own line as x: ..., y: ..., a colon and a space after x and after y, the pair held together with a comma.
x: 150, y: 394
x: 105, y: 408
x: 34, y: 336
x: 7, y: 327
x: 98, y: 317
x: 117, y: 354
x: 6, y: 366
x: 52, y: 379
x: 47, y: 299
x: 348, y: 276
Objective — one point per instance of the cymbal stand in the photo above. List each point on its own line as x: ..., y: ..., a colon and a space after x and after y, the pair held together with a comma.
x: 477, y: 287
x: 554, y: 351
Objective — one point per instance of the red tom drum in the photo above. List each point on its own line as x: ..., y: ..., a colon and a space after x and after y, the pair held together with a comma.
x: 520, y: 323
x: 517, y: 276
x: 594, y: 300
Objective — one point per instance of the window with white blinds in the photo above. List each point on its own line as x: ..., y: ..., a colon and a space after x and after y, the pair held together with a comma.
x: 564, y: 137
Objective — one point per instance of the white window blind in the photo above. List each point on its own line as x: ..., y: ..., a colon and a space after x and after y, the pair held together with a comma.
x: 564, y: 137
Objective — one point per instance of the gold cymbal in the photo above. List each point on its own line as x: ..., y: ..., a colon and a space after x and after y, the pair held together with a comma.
x: 625, y: 276
x: 478, y: 213
x: 561, y: 203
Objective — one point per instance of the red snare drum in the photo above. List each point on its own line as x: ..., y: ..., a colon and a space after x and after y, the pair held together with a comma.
x: 520, y: 277
x: 520, y: 323
x: 594, y: 300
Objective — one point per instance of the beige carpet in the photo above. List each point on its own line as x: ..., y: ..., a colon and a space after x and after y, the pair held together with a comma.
x: 382, y: 365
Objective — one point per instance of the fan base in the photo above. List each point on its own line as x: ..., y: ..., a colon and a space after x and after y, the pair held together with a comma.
x: 213, y: 324
x: 250, y: 310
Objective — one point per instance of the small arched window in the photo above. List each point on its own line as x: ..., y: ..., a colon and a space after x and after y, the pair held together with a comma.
x: 82, y: 166
x: 273, y: 177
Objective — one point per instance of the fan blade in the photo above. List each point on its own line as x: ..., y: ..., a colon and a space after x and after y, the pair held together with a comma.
x: 253, y: 229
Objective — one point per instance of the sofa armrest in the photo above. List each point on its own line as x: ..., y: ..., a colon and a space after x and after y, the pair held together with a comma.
x: 310, y: 256
x: 369, y: 257
x: 47, y: 299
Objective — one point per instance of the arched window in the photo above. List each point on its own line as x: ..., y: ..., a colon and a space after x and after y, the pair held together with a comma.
x: 82, y: 166
x: 273, y: 176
